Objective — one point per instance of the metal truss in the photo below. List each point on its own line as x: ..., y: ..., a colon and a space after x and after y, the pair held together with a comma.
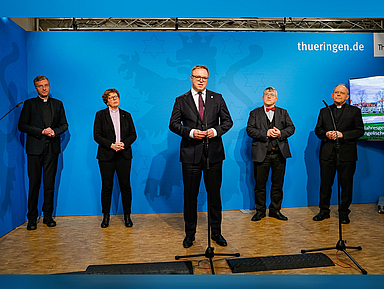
x: 287, y: 24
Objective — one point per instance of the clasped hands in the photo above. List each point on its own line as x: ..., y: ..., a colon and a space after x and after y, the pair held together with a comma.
x: 48, y: 132
x: 332, y: 134
x: 117, y: 146
x: 273, y: 132
x: 199, y: 134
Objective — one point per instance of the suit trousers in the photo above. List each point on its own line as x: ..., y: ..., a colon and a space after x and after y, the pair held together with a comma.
x: 275, y: 162
x: 122, y: 167
x: 327, y: 173
x: 212, y: 181
x: 46, y: 163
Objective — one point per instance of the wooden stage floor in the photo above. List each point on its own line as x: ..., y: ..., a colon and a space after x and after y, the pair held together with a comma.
x: 78, y: 242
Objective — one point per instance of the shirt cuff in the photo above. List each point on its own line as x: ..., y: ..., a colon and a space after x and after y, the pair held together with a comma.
x: 214, y: 132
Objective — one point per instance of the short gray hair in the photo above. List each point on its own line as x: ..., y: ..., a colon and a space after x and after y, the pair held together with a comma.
x: 270, y: 88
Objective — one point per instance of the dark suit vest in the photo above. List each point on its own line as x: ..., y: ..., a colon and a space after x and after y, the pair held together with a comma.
x: 272, y: 142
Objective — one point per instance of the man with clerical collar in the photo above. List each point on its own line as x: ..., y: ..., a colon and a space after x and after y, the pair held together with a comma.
x: 43, y: 120
x: 349, y: 127
x: 269, y: 127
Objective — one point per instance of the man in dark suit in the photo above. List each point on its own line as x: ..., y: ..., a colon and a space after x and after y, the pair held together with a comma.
x: 349, y: 127
x: 269, y: 127
x: 201, y: 117
x: 43, y: 120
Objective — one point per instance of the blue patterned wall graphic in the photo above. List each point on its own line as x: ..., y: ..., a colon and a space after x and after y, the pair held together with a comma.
x: 13, y: 88
x: 151, y: 69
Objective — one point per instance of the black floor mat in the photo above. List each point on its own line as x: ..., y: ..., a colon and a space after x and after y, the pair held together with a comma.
x: 180, y: 267
x: 281, y: 262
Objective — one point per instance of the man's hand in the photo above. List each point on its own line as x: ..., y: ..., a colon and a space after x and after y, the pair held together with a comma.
x: 48, y: 132
x: 273, y: 132
x: 198, y: 134
x: 210, y: 133
x: 332, y: 134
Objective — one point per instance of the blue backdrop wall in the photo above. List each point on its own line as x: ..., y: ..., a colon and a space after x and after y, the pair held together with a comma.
x: 151, y: 68
x: 13, y: 89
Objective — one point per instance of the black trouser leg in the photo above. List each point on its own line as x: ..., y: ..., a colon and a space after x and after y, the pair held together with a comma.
x: 212, y: 181
x: 123, y: 170
x: 278, y: 163
x: 107, y: 172
x: 191, y: 180
x: 50, y: 160
x: 327, y: 175
x: 34, y: 174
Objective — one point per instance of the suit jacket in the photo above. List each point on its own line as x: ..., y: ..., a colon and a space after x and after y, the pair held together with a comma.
x: 104, y: 134
x: 31, y: 122
x: 185, y: 117
x: 257, y: 128
x: 350, y: 125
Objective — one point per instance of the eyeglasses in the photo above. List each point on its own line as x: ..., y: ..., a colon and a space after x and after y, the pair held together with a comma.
x: 200, y: 78
x: 269, y: 94
x: 41, y: 86
x: 113, y: 97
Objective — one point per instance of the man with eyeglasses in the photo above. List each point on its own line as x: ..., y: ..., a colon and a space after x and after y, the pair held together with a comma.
x: 350, y: 127
x: 201, y: 117
x: 269, y: 126
x: 43, y: 120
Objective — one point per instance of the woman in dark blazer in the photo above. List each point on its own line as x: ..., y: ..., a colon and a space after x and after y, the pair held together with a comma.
x: 114, y: 131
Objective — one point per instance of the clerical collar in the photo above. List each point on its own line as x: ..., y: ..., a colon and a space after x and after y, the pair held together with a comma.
x: 44, y: 100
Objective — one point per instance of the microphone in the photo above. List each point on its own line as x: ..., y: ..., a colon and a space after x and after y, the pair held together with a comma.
x: 333, y: 122
x: 206, y: 143
x: 17, y: 105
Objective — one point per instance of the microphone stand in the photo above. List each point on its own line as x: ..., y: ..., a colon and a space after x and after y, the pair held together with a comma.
x: 340, y: 245
x: 209, y: 252
x: 17, y: 105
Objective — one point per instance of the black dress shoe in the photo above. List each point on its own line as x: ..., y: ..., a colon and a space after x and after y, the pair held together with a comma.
x: 105, y: 222
x: 49, y: 221
x: 188, y: 241
x: 278, y: 216
x: 219, y: 239
x: 345, y: 219
x: 258, y: 216
x: 127, y: 220
x: 32, y: 225
x: 321, y: 216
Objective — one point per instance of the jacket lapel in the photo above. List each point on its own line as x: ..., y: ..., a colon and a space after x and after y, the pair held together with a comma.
x: 38, y: 108
x: 263, y: 118
x: 108, y: 119
x: 52, y: 111
x: 277, y: 116
x: 122, y: 123
x: 343, y: 115
x: 192, y: 105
